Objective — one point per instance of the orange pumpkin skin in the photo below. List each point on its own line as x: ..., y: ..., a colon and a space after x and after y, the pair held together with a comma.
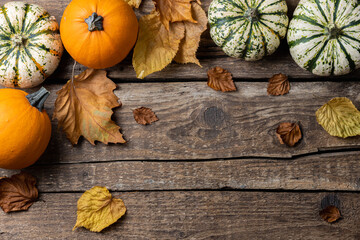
x: 99, y: 48
x: 24, y: 130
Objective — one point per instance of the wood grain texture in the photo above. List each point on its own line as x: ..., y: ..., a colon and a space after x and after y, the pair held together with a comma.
x: 208, y: 53
x: 192, y: 215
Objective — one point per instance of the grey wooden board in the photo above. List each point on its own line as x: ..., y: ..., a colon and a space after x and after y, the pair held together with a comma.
x: 209, y: 54
x: 192, y: 215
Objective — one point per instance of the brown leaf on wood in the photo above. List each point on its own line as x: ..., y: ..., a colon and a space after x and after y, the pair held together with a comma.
x: 174, y: 11
x: 278, y: 85
x: 220, y: 79
x: 18, y: 192
x: 288, y: 133
x: 190, y: 43
x: 330, y: 214
x: 144, y: 116
x: 84, y: 108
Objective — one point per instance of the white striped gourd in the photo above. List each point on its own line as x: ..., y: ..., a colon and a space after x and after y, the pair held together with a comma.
x: 30, y: 45
x: 324, y: 36
x: 248, y: 29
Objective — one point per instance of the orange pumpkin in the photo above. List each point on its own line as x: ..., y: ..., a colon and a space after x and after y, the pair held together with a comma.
x: 25, y: 128
x: 98, y: 34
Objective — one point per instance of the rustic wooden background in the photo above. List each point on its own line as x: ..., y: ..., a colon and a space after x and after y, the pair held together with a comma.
x: 211, y: 167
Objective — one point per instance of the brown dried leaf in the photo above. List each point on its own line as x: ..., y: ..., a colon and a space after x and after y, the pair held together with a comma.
x: 330, y: 214
x: 288, y: 133
x: 18, y: 192
x: 190, y: 43
x: 144, y: 116
x: 220, y: 79
x: 84, y: 107
x: 174, y: 11
x: 134, y: 3
x: 278, y: 85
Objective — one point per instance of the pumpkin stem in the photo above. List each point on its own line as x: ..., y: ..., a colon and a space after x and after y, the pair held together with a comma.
x: 19, y: 40
x: 95, y: 22
x: 252, y: 14
x: 333, y: 31
x: 37, y: 99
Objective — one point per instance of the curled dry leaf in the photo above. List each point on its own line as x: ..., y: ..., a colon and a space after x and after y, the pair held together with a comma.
x: 288, y: 133
x: 144, y: 116
x: 18, y: 192
x: 220, y: 79
x: 339, y: 117
x: 278, y: 85
x: 190, y: 43
x: 84, y: 107
x: 97, y: 209
x: 330, y: 214
x: 134, y: 3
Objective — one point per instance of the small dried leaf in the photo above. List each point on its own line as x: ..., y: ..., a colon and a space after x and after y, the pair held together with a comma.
x: 97, y: 209
x: 83, y: 107
x: 18, y: 192
x: 278, y: 85
x: 156, y: 47
x: 220, y: 79
x: 134, y: 3
x: 144, y: 116
x: 330, y: 214
x: 339, y: 117
x: 288, y: 133
x: 190, y: 43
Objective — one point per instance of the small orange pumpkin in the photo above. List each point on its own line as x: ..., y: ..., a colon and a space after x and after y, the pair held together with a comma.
x: 98, y: 34
x: 25, y: 128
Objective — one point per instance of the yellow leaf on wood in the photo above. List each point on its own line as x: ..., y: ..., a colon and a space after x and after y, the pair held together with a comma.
x: 84, y: 108
x: 134, y: 3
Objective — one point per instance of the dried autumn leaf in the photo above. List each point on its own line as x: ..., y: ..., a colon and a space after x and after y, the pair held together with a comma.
x: 174, y: 11
x: 144, y: 116
x: 97, y: 209
x: 278, y: 85
x: 288, y: 133
x: 190, y: 43
x: 156, y: 47
x: 330, y: 214
x: 134, y: 3
x: 220, y: 79
x: 84, y: 107
x: 18, y: 192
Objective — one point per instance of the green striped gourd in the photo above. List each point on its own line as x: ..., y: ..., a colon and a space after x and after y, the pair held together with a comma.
x: 324, y: 36
x: 248, y: 29
x: 30, y: 45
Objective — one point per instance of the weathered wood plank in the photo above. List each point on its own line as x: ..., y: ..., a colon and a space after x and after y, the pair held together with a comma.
x: 192, y: 215
x: 209, y: 54
x: 339, y: 171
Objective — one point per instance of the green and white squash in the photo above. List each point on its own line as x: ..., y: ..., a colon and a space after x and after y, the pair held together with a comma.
x: 324, y: 36
x: 30, y: 45
x: 248, y: 29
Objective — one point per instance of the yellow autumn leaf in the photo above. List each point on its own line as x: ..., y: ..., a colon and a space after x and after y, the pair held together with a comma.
x: 84, y: 107
x: 156, y: 47
x: 134, y: 3
x: 339, y: 117
x: 97, y: 209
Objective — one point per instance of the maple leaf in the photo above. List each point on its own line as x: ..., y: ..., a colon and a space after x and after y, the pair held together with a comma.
x: 144, y: 116
x: 134, y: 3
x: 84, y: 107
x: 190, y: 43
x: 174, y: 11
x: 278, y: 85
x: 97, y: 209
x: 288, y: 133
x: 220, y: 79
x: 18, y: 192
x: 156, y: 47
x: 330, y: 214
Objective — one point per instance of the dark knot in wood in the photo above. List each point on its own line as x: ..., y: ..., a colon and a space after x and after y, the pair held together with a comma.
x: 214, y: 117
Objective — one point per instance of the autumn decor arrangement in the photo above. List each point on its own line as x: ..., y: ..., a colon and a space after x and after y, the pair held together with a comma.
x: 30, y: 45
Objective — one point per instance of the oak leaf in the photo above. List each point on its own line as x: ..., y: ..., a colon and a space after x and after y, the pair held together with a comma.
x: 220, y: 79
x: 174, y: 11
x: 144, y: 116
x: 134, y: 3
x: 288, y: 133
x: 330, y: 214
x: 97, y: 209
x: 18, y: 192
x: 339, y: 117
x: 190, y: 43
x: 84, y: 107
x: 278, y: 85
